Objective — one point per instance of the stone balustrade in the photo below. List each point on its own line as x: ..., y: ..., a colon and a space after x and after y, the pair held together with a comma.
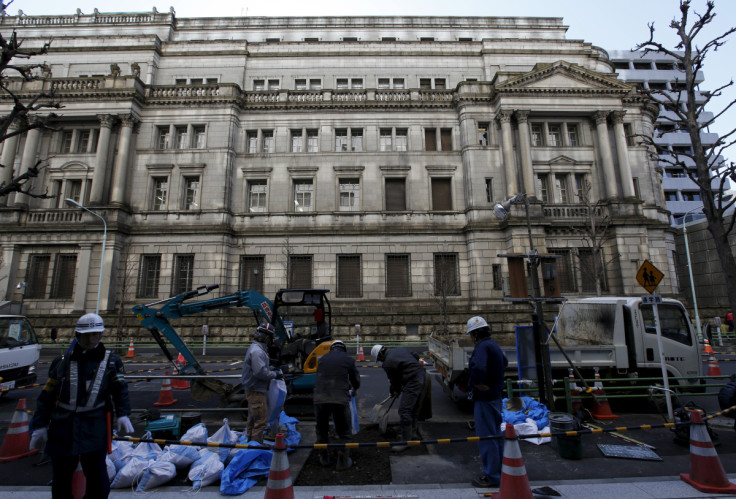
x: 54, y: 216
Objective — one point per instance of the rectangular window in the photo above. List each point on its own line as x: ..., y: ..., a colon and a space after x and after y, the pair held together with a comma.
x: 446, y: 139
x: 312, y: 141
x: 629, y: 133
x: 74, y: 190
x: 398, y: 276
x: 439, y: 84
x: 66, y: 141
x: 446, y: 275
x: 341, y: 140
x: 256, y: 196
x: 251, y: 273
x: 274, y: 85
x: 637, y: 190
x: 84, y: 136
x: 342, y: 83
x: 384, y: 83
x: 148, y: 276
x: 296, y: 140
x: 554, y: 135
x: 543, y: 187
x: 425, y: 83
x: 385, y: 141
x: 573, y: 138
x: 191, y: 193
x: 211, y: 81
x: 399, y: 83
x: 402, y: 140
x: 62, y: 283
x: 356, y: 139
x: 588, y: 270
x: 349, y: 194
x: 300, y: 271
x: 183, y: 274
x: 196, y: 81
x: 349, y: 277
x: 303, y: 199
x: 300, y: 84
x: 441, y: 194
x: 395, y: 194
x: 180, y: 81
x: 581, y: 187
x: 37, y: 275
x: 251, y: 141
x: 160, y: 193
x: 483, y: 134
x: 489, y: 190
x: 565, y: 276
x: 497, y: 277
x: 356, y: 83
x: 315, y: 84
x: 198, y: 136
x: 561, y: 190
x: 181, y: 137
x: 430, y: 139
x: 162, y: 140
x: 259, y: 85
x: 536, y: 131
x: 268, y: 143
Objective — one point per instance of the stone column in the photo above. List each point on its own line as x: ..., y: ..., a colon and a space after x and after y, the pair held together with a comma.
x: 82, y: 284
x: 28, y: 161
x: 624, y: 167
x: 527, y: 171
x: 7, y: 159
x: 508, y: 153
x: 122, y: 160
x: 102, y: 169
x: 609, y: 173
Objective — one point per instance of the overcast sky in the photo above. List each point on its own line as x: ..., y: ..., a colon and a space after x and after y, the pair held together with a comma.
x: 611, y: 24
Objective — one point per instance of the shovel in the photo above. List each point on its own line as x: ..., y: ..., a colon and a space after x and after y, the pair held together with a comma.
x: 374, y: 412
x: 383, y: 416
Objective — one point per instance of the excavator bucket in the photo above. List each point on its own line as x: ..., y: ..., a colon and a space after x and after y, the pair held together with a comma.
x: 203, y: 389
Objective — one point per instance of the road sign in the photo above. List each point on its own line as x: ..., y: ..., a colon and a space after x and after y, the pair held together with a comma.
x: 649, y: 276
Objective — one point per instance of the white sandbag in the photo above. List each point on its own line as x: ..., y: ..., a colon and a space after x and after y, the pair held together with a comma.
x: 111, y: 471
x: 223, y: 436
x: 130, y: 472
x: 197, y: 433
x: 185, y: 455
x: 206, y: 471
x: 156, y: 474
x: 120, y: 449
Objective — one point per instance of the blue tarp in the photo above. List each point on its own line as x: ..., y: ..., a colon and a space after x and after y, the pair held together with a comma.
x: 530, y: 410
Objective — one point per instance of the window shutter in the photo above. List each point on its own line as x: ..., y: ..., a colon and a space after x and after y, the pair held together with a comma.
x: 441, y: 194
x: 430, y: 139
x: 38, y: 272
x: 348, y: 276
x: 300, y: 271
x: 64, y: 272
x: 398, y: 282
x: 395, y: 194
x: 446, y: 139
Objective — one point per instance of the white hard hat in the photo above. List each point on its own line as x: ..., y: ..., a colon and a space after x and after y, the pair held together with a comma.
x: 375, y: 351
x: 338, y: 344
x: 90, y: 323
x: 476, y: 323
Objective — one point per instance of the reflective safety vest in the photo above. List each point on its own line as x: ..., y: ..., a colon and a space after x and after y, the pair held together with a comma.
x: 94, y: 391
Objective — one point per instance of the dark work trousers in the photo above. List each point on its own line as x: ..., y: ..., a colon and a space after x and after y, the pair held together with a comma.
x: 95, y: 473
x: 337, y: 412
x: 409, y: 402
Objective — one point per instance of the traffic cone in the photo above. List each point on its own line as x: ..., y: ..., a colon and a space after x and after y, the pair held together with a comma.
x: 601, y: 408
x: 131, y: 350
x: 706, y: 471
x: 514, y: 482
x: 361, y: 355
x: 18, y: 439
x: 79, y: 482
x: 707, y: 348
x: 713, y: 369
x: 279, y: 477
x: 577, y: 402
x: 165, y: 397
x: 180, y: 384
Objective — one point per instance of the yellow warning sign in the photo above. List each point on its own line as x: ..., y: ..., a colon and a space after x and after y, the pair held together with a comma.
x: 649, y: 276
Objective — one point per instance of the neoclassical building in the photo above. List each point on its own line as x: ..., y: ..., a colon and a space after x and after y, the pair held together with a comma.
x: 359, y: 154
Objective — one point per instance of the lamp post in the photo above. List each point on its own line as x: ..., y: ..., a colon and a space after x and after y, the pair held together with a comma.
x: 255, y: 279
x: 690, y: 272
x: 104, y: 242
x: 541, y: 348
x: 22, y: 286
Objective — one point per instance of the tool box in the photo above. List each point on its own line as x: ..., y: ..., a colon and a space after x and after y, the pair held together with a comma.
x: 167, y: 427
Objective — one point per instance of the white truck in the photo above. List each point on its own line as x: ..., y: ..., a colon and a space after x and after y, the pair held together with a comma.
x: 19, y: 352
x: 615, y: 334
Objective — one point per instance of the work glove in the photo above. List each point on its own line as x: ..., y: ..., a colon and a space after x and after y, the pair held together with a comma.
x: 125, y: 425
x: 279, y: 374
x: 38, y: 439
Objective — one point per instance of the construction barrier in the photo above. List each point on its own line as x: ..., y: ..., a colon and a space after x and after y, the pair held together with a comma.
x: 514, y: 481
x: 279, y: 484
x: 706, y: 471
x: 601, y: 407
x: 179, y: 383
x: 713, y: 369
x: 131, y: 350
x: 18, y: 438
x: 165, y: 397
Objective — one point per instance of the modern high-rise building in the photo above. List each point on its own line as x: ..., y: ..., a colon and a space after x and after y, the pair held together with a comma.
x: 359, y: 154
x: 661, y: 72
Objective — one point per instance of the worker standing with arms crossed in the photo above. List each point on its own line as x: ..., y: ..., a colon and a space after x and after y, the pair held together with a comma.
x: 74, y: 411
x: 257, y: 375
x: 486, y: 371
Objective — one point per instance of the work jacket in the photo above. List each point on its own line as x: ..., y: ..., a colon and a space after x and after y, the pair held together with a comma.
x: 486, y: 369
x: 401, y: 367
x: 82, y: 389
x: 256, y: 372
x: 336, y: 375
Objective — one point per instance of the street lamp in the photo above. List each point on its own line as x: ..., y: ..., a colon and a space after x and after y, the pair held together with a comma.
x: 541, y: 348
x: 255, y: 279
x: 690, y: 272
x: 22, y: 286
x: 104, y: 242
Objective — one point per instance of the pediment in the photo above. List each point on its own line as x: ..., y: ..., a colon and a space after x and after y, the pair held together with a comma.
x: 72, y: 166
x: 562, y: 160
x: 562, y: 77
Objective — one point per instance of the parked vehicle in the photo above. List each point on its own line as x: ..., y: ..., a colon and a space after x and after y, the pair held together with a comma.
x: 615, y: 334
x: 19, y: 352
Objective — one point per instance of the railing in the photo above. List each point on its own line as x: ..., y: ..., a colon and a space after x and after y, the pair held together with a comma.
x: 54, y: 216
x: 305, y: 96
x: 77, y: 84
x: 349, y: 96
x: 393, y: 95
x: 436, y: 95
x: 183, y: 92
x: 570, y: 211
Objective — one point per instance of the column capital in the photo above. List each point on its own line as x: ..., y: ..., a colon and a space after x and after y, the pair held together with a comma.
x: 504, y: 116
x: 600, y: 117
x: 618, y: 117
x: 521, y: 115
x: 107, y: 120
x: 128, y: 120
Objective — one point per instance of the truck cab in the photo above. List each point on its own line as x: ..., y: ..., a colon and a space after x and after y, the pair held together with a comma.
x: 19, y: 352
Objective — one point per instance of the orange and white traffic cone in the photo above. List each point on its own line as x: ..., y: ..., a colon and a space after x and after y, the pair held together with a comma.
x: 713, y: 369
x: 361, y: 355
x: 706, y: 471
x: 79, y: 483
x: 601, y: 408
x: 514, y: 481
x: 279, y: 477
x: 18, y: 439
x: 708, y: 348
x: 131, y: 350
x: 180, y: 384
x: 577, y: 402
x: 165, y: 397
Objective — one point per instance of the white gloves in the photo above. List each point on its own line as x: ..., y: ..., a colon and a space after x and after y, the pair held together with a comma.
x: 38, y: 439
x: 125, y: 425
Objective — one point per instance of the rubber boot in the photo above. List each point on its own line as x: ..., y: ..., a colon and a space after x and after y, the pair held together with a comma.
x: 343, y: 459
x: 324, y: 458
x: 405, y: 435
x: 415, y: 431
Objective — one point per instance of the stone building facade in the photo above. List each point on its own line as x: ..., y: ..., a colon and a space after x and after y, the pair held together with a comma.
x: 361, y: 155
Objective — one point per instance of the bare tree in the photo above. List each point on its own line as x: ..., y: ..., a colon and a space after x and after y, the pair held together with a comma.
x: 23, y: 115
x: 445, y: 286
x: 596, y: 234
x: 687, y: 112
x: 126, y: 288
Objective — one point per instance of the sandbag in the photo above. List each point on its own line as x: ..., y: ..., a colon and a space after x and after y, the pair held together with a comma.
x: 111, y: 471
x: 275, y: 399
x: 156, y: 474
x: 206, y: 470
x: 129, y: 473
x: 184, y: 455
x: 223, y: 436
x: 244, y: 470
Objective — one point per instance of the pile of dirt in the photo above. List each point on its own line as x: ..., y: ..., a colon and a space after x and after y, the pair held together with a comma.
x: 371, y: 465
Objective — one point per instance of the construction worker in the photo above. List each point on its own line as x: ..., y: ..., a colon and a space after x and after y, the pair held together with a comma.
x: 336, y: 377
x: 727, y: 398
x: 257, y: 375
x: 407, y: 378
x: 486, y: 371
x: 74, y: 411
